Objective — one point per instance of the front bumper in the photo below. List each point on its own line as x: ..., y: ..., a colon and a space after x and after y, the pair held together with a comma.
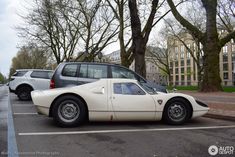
x: 43, y: 110
x: 204, y: 109
x: 12, y: 91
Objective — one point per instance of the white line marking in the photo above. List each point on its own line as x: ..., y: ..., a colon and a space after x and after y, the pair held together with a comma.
x: 22, y: 105
x: 25, y: 113
x: 123, y: 131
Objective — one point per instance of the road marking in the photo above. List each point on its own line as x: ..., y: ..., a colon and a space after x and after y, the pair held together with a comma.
x: 25, y: 113
x: 22, y: 105
x: 124, y: 130
x: 11, y: 139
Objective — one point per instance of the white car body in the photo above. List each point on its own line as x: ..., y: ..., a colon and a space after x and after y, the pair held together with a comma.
x: 104, y: 105
x: 35, y: 83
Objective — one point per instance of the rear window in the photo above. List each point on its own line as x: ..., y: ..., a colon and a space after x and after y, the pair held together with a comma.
x: 70, y: 70
x: 41, y: 74
x: 20, y: 73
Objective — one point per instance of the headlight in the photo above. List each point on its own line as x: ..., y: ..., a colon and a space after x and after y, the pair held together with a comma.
x: 201, y: 103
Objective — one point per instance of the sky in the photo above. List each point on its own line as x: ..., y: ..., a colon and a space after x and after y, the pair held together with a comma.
x: 8, y: 35
x: 9, y: 19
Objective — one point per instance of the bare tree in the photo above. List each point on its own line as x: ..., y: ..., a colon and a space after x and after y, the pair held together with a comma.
x: 210, y: 41
x: 70, y: 30
x: 160, y: 56
x: 98, y: 27
x: 50, y: 26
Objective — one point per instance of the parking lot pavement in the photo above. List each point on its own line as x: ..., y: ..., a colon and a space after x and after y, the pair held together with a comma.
x: 3, y: 118
x: 36, y: 135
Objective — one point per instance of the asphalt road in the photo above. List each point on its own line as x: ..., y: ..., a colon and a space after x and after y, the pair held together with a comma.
x: 36, y: 135
x: 3, y: 118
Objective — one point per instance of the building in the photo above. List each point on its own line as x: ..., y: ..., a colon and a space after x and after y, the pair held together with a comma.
x: 184, y: 69
x: 114, y: 57
x: 153, y: 73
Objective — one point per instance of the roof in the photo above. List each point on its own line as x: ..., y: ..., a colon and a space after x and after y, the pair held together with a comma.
x: 32, y: 70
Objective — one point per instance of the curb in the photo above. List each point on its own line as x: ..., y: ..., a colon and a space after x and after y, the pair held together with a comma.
x: 218, y: 116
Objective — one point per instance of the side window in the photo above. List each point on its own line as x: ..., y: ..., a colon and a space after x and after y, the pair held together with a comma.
x: 70, y: 70
x: 97, y: 71
x: 83, y: 71
x: 40, y: 74
x: 119, y: 72
x: 127, y: 89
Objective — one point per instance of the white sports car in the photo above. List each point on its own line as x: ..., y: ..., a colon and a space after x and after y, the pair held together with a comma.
x: 115, y: 100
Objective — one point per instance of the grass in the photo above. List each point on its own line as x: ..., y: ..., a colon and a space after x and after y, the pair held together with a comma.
x: 229, y: 89
x: 194, y: 88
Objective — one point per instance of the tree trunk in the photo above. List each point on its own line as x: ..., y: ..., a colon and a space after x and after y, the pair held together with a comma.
x: 139, y: 55
x: 138, y: 40
x: 211, y: 78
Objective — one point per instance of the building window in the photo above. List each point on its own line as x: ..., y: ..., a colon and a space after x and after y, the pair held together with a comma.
x: 233, y: 47
x: 181, y: 48
x: 176, y: 70
x: 188, y: 62
x: 182, y: 77
x: 225, y: 76
x: 225, y: 49
x: 189, y: 77
x: 188, y: 70
x: 225, y: 57
x: 188, y: 54
x: 176, y: 64
x: 176, y: 49
x: 177, y: 78
x: 182, y: 63
x: 182, y: 55
x: 225, y: 67
x: 182, y: 70
x: 176, y: 56
x: 233, y: 57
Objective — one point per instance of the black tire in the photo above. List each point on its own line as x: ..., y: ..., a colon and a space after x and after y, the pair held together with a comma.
x: 24, y: 93
x: 69, y: 111
x: 177, y: 111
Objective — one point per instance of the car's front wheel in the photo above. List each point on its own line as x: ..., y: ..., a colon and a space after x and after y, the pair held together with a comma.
x: 177, y: 111
x: 69, y: 111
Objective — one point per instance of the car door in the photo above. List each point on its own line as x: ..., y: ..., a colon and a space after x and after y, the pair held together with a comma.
x: 130, y: 102
x: 40, y: 80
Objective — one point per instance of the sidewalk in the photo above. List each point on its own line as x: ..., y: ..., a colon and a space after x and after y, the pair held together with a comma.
x: 222, y: 105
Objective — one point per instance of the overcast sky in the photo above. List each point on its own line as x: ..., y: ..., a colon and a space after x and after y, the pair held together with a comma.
x: 9, y: 19
x: 8, y: 37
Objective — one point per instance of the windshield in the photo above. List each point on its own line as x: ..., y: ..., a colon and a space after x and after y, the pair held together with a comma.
x: 147, y: 88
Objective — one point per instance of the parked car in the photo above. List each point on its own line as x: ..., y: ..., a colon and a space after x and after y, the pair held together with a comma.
x: 78, y: 73
x: 22, y: 82
x: 115, y: 100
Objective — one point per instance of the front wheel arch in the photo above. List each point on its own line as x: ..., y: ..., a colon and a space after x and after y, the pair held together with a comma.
x: 68, y: 94
x: 179, y: 97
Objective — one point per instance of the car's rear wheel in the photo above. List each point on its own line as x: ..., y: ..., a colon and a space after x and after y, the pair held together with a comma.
x: 177, y: 111
x: 69, y: 111
x: 24, y: 92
